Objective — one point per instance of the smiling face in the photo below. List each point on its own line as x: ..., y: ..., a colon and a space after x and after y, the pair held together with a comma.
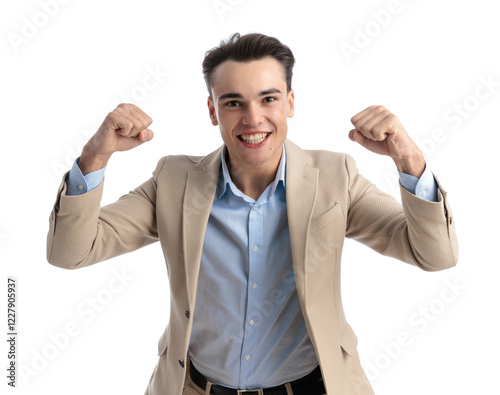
x: 250, y: 104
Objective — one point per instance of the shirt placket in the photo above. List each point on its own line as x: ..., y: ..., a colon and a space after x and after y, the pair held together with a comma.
x: 254, y: 291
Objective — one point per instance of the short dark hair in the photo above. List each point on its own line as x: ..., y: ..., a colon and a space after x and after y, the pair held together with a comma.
x: 246, y: 48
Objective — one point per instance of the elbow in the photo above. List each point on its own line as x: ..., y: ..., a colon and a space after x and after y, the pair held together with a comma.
x: 437, y: 256
x: 436, y: 267
x: 438, y: 263
x: 63, y: 264
x: 62, y: 261
x: 59, y: 255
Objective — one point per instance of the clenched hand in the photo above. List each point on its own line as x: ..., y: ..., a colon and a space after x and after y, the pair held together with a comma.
x: 124, y: 128
x: 380, y: 131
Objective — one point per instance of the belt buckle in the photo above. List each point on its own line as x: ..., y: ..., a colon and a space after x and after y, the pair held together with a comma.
x: 258, y: 392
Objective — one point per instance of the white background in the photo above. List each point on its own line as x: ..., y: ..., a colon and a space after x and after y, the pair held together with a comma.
x: 62, y: 73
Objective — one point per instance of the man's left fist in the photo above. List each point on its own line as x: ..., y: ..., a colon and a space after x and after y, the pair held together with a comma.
x: 380, y: 131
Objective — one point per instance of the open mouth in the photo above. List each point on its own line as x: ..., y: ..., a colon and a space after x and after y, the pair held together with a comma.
x: 254, y: 138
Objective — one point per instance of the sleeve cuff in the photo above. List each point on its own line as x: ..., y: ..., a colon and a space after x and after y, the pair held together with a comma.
x: 78, y: 184
x: 424, y: 187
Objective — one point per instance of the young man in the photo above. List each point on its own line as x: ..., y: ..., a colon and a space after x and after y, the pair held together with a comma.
x: 254, y: 254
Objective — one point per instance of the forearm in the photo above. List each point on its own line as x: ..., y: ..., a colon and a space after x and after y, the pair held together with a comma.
x: 90, y: 161
x: 418, y: 232
x: 73, y: 228
x: 82, y: 233
x: 430, y: 229
x: 413, y: 164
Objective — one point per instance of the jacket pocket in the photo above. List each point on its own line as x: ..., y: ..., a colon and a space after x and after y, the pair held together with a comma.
x: 321, y: 221
x: 349, y: 340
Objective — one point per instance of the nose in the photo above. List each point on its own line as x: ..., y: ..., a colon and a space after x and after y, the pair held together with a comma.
x: 253, y: 116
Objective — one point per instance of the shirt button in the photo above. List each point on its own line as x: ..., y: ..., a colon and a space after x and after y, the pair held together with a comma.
x: 423, y: 193
x: 255, y: 248
x: 255, y: 208
x: 247, y: 357
x: 254, y: 285
x: 80, y: 187
x: 252, y: 322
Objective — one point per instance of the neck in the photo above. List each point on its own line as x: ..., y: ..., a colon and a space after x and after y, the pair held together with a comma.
x: 252, y: 180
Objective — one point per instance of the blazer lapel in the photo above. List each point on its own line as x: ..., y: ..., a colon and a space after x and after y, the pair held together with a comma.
x: 301, y: 189
x: 199, y: 195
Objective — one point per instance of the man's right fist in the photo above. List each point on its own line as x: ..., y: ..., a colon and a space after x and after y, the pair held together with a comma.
x: 124, y: 128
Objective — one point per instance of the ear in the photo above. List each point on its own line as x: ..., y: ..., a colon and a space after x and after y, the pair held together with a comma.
x: 211, y: 111
x: 290, y: 104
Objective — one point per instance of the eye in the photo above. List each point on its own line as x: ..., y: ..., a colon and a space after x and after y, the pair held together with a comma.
x: 270, y: 99
x: 232, y: 103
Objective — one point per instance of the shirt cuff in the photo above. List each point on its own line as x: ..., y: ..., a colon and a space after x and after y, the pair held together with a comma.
x: 78, y: 184
x: 424, y: 187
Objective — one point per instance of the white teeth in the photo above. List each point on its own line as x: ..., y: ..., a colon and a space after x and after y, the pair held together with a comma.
x: 254, y: 138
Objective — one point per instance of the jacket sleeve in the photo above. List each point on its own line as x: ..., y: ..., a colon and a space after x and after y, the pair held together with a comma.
x: 420, y: 232
x: 82, y: 233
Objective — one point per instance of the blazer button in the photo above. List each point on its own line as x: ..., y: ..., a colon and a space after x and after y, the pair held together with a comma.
x: 181, y: 363
x: 187, y: 313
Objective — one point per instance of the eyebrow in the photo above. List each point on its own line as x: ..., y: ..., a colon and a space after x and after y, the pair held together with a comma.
x: 235, y: 95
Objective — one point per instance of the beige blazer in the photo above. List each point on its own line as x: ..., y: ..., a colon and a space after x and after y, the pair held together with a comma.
x: 327, y: 200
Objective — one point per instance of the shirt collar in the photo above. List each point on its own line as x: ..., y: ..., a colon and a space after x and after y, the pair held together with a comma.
x: 226, y: 177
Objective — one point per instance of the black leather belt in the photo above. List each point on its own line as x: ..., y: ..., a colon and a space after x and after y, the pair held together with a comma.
x: 312, y: 384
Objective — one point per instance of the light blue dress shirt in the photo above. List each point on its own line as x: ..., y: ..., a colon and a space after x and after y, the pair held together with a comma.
x: 248, y: 328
